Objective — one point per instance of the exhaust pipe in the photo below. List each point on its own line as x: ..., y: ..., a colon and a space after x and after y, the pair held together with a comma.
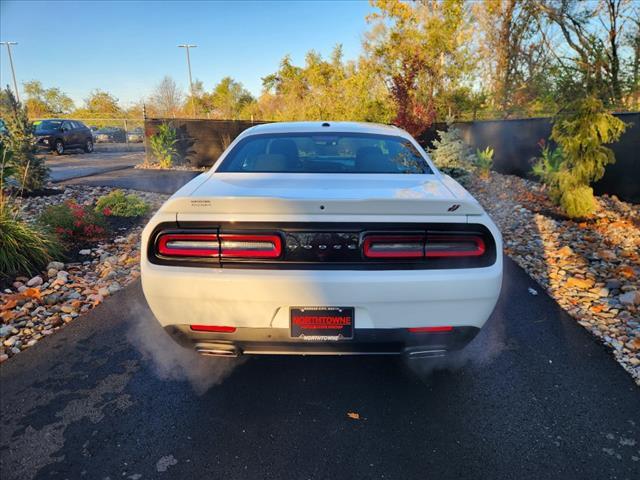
x: 217, y: 351
x: 427, y: 353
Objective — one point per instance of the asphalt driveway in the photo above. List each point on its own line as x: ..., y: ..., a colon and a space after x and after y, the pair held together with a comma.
x: 110, y: 396
x: 77, y: 165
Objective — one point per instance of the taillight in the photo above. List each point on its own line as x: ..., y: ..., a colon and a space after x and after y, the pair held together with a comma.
x: 195, y: 245
x: 439, y: 329
x: 213, y: 328
x: 394, y: 246
x: 454, y: 246
x: 250, y: 246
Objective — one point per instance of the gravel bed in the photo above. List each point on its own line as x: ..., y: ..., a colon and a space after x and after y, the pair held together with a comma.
x: 591, y: 267
x: 36, y: 307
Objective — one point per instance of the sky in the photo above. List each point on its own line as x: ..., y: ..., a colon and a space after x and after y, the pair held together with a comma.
x: 127, y: 46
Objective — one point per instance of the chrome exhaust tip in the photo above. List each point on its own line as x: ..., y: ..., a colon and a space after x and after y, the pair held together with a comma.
x: 427, y: 353
x: 217, y: 352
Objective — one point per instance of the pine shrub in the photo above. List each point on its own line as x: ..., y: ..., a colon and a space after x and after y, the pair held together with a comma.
x: 29, y: 170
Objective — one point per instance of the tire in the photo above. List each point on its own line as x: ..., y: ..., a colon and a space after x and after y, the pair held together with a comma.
x: 88, y: 146
x: 58, y: 147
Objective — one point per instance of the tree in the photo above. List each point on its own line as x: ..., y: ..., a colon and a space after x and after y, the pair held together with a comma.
x: 517, y: 58
x: 632, y: 40
x: 421, y: 52
x: 593, y: 32
x: 99, y: 104
x: 43, y: 102
x: 167, y: 99
x: 581, y: 132
x: 201, y: 100
x: 324, y: 89
x: 229, y: 98
x: 29, y: 171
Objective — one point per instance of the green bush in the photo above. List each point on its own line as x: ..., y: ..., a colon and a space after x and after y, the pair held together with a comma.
x: 24, y: 249
x: 548, y: 167
x: 163, y: 145
x: 581, y: 131
x: 29, y: 171
x: 484, y: 161
x: 578, y: 201
x: 118, y: 204
x: 450, y: 151
x: 74, y: 223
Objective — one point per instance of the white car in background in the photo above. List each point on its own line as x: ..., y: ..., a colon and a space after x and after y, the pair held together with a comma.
x: 322, y: 238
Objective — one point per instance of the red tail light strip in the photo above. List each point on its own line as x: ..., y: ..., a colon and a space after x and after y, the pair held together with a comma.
x: 446, y: 328
x: 393, y: 246
x: 454, y: 246
x: 213, y: 328
x: 250, y: 246
x: 188, y: 245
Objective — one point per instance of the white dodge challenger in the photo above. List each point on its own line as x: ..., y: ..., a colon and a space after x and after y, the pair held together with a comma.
x: 322, y: 238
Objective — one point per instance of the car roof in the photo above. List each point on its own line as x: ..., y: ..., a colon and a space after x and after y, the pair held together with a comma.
x: 325, y: 126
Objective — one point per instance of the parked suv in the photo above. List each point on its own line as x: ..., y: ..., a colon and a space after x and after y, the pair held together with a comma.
x: 59, y: 135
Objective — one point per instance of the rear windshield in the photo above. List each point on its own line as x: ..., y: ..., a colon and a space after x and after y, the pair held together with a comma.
x: 45, y: 125
x: 324, y: 153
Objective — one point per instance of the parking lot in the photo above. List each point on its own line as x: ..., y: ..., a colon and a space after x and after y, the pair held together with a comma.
x: 106, y: 158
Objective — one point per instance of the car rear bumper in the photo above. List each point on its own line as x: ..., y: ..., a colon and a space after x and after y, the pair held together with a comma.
x: 270, y: 341
x: 257, y: 304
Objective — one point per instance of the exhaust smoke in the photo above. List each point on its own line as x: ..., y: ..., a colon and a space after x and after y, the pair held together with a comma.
x: 172, y: 362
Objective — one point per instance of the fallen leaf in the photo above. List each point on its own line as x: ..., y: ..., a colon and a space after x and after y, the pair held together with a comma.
x: 7, y: 316
x: 32, y: 293
x: 9, y: 305
x: 353, y: 415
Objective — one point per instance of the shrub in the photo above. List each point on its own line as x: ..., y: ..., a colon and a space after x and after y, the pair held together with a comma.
x: 581, y: 131
x: 484, y: 161
x: 24, y: 249
x: 7, y: 167
x: 577, y: 201
x: 450, y: 151
x: 163, y: 145
x: 29, y: 171
x: 74, y: 223
x: 548, y: 167
x: 120, y: 205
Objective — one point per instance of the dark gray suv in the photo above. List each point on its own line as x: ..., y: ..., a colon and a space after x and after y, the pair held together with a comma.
x: 58, y: 135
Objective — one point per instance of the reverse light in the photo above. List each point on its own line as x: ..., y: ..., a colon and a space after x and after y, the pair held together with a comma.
x: 394, y: 246
x: 196, y: 245
x: 454, y: 246
x: 250, y: 246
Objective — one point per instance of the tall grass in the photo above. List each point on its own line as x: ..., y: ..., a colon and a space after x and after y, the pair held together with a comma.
x: 24, y: 249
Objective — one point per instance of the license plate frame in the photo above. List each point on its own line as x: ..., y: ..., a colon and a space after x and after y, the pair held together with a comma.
x: 322, y: 323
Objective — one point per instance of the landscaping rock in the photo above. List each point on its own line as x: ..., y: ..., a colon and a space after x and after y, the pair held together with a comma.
x: 35, y: 281
x: 630, y: 298
x: 38, y: 307
x: 55, y: 266
x: 591, y: 268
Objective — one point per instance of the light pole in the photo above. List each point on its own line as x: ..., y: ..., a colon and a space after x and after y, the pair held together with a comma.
x: 13, y: 72
x: 187, y: 47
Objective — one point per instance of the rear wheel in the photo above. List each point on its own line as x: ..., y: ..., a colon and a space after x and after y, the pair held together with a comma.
x: 58, y: 147
x: 88, y: 146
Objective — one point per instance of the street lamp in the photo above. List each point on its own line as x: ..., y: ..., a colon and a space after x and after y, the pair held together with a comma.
x: 13, y: 72
x: 187, y: 47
